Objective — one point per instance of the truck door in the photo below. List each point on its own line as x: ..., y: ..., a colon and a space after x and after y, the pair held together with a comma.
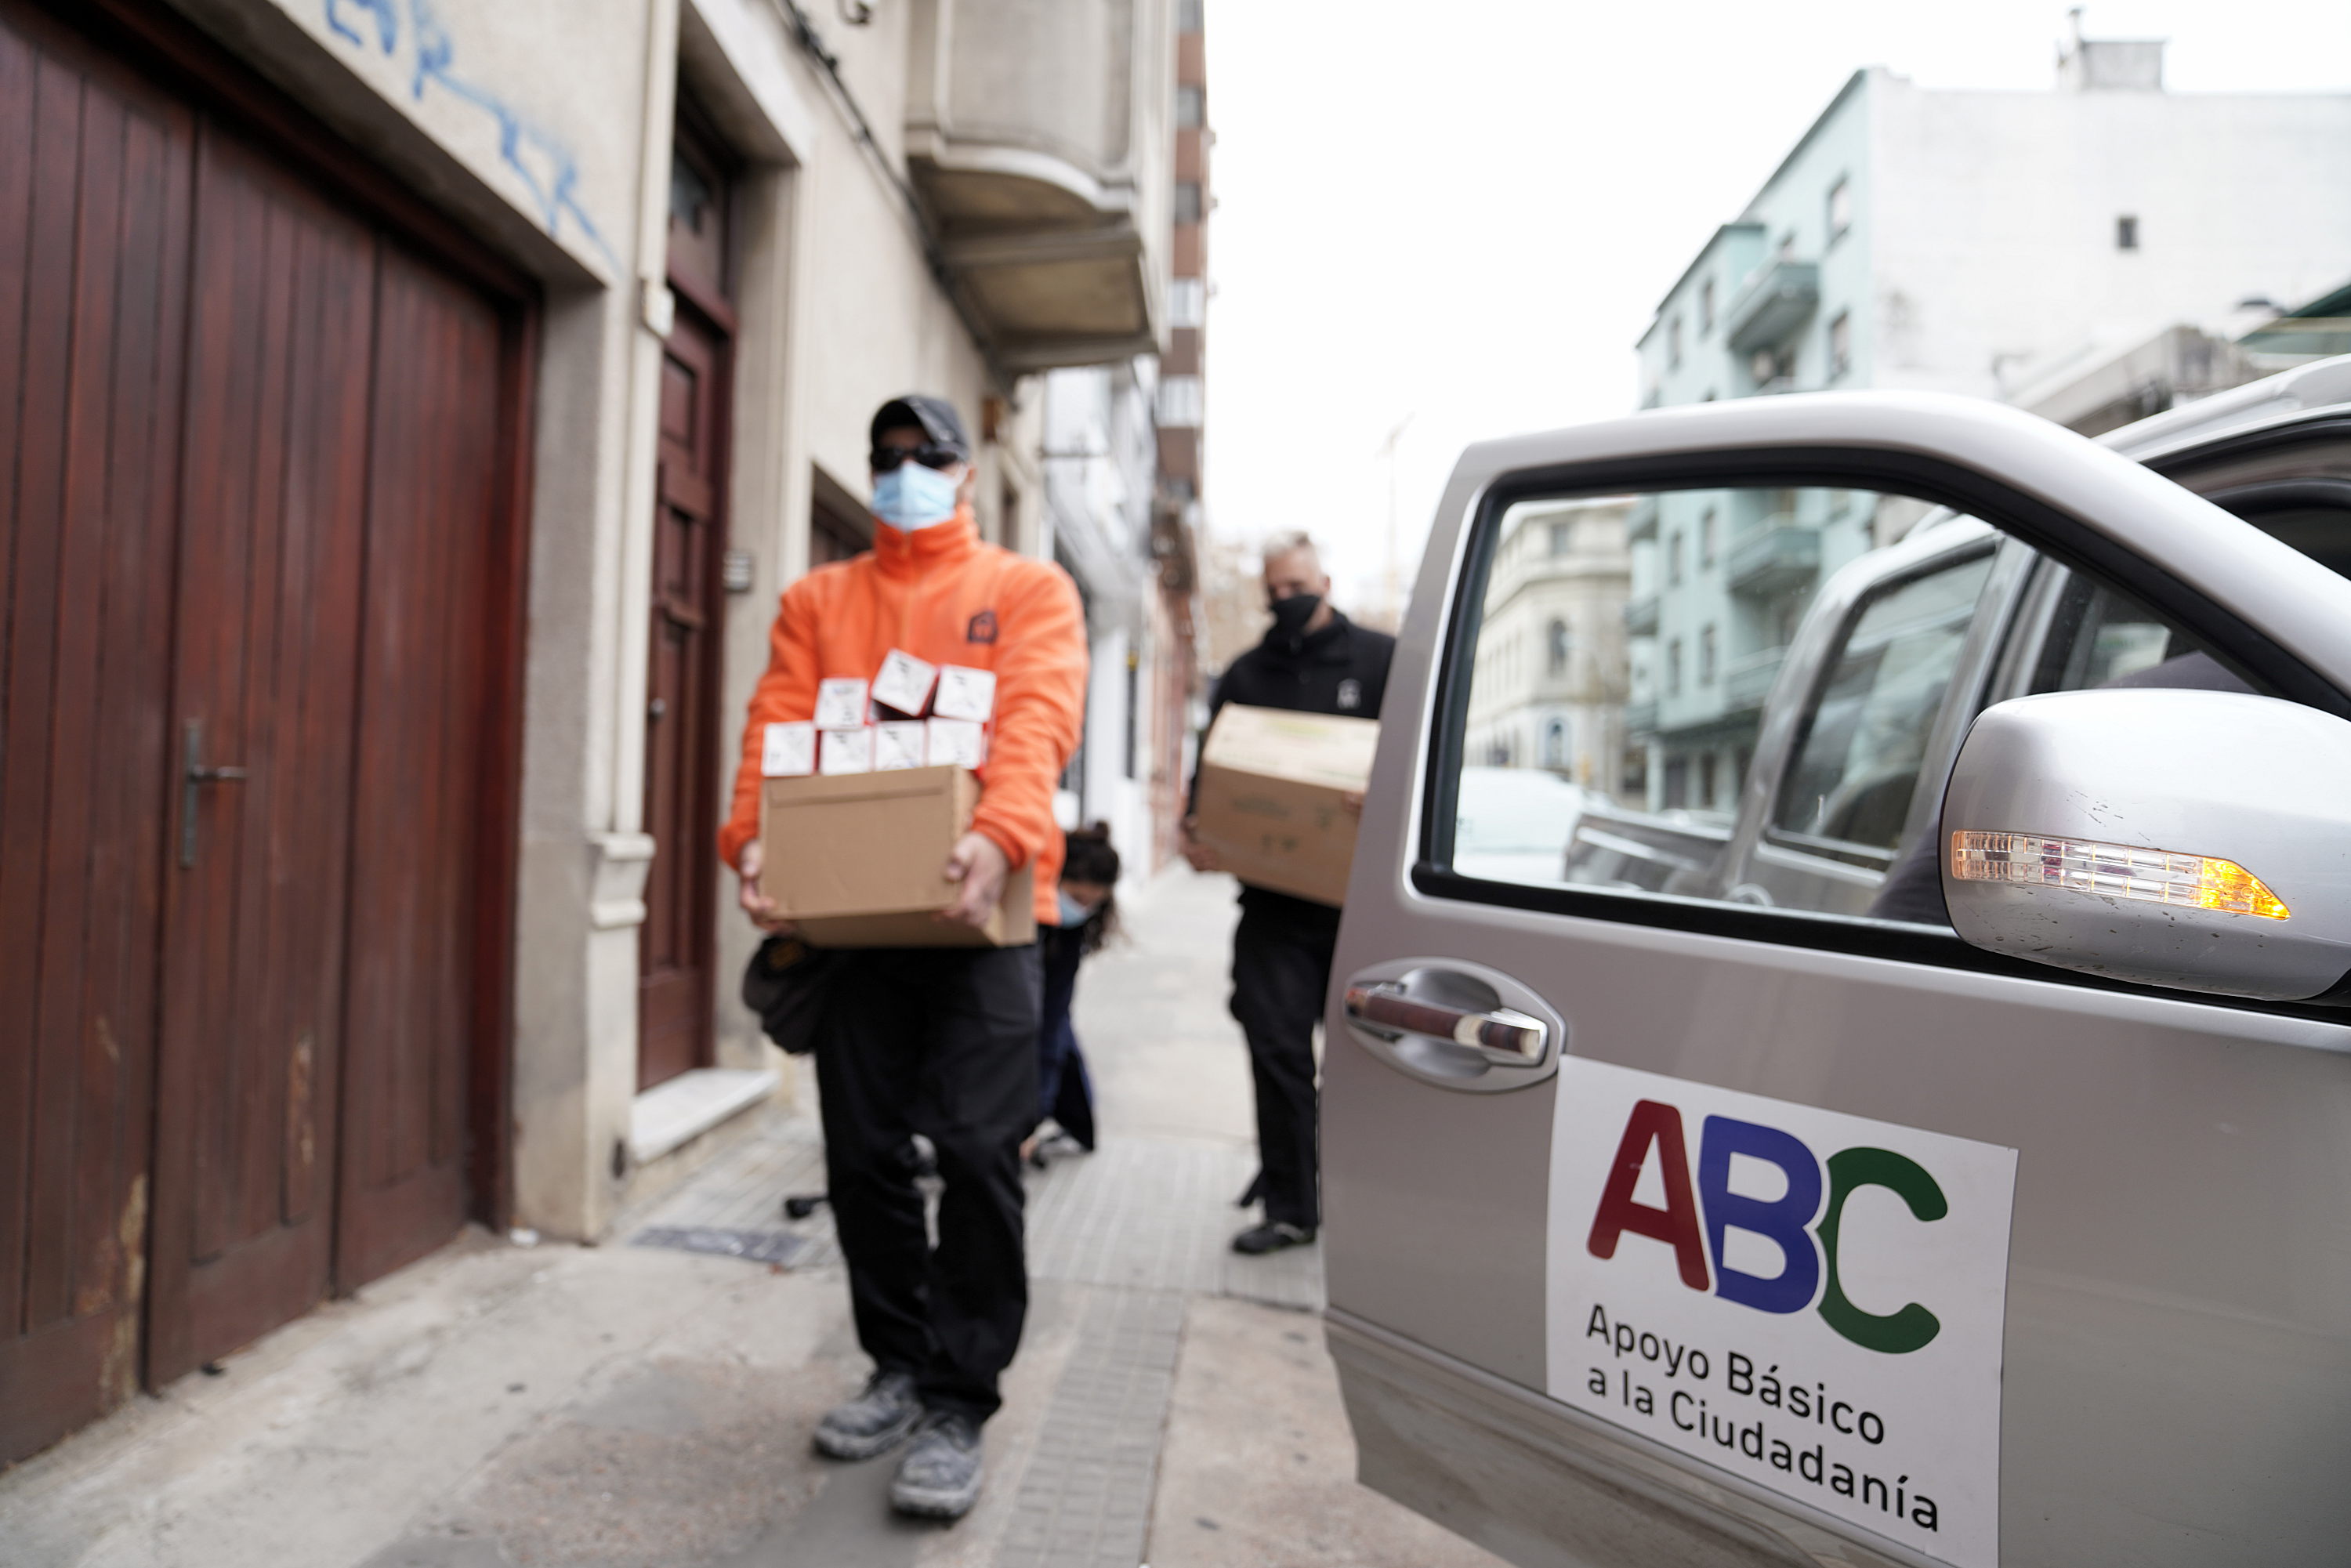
x: 1677, y: 1228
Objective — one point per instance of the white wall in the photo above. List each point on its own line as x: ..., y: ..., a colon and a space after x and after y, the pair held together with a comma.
x: 1994, y: 224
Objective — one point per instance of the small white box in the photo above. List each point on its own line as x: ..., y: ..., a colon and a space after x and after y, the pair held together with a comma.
x: 898, y: 744
x: 958, y: 741
x: 965, y: 693
x: 904, y: 683
x: 789, y: 750
x: 846, y: 750
x: 840, y: 703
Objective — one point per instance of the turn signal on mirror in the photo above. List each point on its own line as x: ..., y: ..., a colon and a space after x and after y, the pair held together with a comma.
x: 2118, y: 870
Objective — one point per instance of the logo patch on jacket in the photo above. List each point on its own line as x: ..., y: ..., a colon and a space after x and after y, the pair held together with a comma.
x: 981, y: 628
x: 1351, y: 694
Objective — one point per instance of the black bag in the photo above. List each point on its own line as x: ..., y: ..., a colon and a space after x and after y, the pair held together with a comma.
x: 788, y: 984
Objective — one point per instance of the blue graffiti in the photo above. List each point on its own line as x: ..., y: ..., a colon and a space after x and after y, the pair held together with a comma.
x: 536, y: 157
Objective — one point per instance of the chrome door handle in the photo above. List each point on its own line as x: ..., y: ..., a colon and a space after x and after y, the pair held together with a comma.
x: 1503, y: 1036
x: 194, y: 776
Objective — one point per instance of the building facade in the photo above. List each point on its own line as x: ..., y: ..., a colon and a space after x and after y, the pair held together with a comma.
x: 1550, y: 660
x: 1989, y: 244
x: 427, y: 401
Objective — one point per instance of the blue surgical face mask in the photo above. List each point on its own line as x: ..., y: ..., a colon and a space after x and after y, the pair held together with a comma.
x: 913, y: 497
x: 1073, y: 913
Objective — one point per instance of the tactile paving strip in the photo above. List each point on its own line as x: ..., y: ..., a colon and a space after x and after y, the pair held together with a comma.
x: 1085, y: 1496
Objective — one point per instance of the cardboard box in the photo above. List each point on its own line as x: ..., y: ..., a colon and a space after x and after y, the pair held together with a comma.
x: 855, y: 859
x: 1270, y: 801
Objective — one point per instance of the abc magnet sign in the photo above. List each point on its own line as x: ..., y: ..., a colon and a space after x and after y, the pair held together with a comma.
x: 1810, y: 1300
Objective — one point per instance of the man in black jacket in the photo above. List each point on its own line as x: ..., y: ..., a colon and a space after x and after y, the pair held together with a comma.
x: 1312, y: 659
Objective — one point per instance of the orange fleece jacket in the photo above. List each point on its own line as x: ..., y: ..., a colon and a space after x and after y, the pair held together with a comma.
x: 944, y: 597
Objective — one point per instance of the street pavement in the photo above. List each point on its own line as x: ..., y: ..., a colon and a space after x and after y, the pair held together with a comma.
x: 642, y: 1407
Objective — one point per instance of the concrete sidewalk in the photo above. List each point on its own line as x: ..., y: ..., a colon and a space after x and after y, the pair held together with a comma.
x: 638, y: 1406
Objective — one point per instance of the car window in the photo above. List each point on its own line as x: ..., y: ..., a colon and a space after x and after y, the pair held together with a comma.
x: 1753, y: 697
x: 1629, y: 672
x: 2096, y: 637
x: 1864, y: 733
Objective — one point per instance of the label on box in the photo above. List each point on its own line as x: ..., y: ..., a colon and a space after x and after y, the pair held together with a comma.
x: 965, y: 693
x: 788, y: 751
x: 846, y: 750
x: 898, y: 744
x: 956, y: 741
x: 840, y: 703
x: 904, y: 682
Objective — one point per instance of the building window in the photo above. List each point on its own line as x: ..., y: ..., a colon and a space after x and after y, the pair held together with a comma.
x: 1706, y: 538
x: 1555, y: 743
x: 1559, y: 533
x: 1674, y: 557
x: 1841, y: 344
x: 1559, y: 643
x: 1187, y: 302
x: 1706, y: 657
x: 1189, y: 104
x: 1179, y: 403
x: 1673, y: 343
x: 1187, y: 201
x: 1840, y: 209
x: 1674, y: 668
x: 2125, y: 233
x: 1706, y: 307
x: 1706, y: 782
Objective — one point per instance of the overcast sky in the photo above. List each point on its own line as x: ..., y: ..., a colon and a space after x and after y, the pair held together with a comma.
x: 1463, y: 214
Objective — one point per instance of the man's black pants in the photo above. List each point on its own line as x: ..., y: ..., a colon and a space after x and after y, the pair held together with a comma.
x: 940, y: 1042
x: 1281, y: 969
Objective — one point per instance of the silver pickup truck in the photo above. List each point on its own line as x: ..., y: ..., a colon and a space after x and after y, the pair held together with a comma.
x: 1941, y: 1151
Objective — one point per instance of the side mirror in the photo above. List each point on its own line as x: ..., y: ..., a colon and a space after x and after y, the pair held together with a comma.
x: 2190, y: 839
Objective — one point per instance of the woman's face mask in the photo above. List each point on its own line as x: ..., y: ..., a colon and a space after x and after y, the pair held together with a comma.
x: 913, y: 497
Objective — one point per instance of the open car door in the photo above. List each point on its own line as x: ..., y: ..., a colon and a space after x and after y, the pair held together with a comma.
x: 1713, y: 1227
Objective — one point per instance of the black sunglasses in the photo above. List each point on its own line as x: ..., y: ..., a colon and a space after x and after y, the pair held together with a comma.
x: 885, y: 458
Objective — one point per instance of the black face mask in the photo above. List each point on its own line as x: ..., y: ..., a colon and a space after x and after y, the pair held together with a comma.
x: 1292, y: 615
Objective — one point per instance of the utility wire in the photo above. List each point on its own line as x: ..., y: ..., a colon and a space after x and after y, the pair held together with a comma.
x: 811, y: 42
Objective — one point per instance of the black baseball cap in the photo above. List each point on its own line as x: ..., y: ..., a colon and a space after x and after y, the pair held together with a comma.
x: 934, y: 416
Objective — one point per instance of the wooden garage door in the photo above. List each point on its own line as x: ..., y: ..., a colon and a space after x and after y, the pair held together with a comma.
x: 250, y: 484
x: 94, y: 193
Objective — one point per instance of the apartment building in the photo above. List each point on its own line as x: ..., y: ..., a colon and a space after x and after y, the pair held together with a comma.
x: 1551, y: 690
x: 1990, y: 244
x: 415, y: 408
x: 1123, y: 465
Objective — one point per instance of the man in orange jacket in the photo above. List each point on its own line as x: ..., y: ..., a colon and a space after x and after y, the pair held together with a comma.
x: 936, y: 1040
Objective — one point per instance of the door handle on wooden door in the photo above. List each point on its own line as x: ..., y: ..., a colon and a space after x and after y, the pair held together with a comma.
x: 194, y: 776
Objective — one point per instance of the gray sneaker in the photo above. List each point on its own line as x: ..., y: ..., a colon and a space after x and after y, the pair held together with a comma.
x: 875, y: 1422
x: 939, y: 1476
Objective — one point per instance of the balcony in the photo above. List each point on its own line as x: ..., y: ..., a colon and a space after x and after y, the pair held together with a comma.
x: 1749, y: 680
x: 1778, y: 298
x: 1641, y: 616
x: 1035, y: 136
x: 1779, y: 555
x: 1641, y: 717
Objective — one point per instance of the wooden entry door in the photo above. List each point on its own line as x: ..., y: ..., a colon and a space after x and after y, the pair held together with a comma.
x: 684, y: 766
x: 676, y: 983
